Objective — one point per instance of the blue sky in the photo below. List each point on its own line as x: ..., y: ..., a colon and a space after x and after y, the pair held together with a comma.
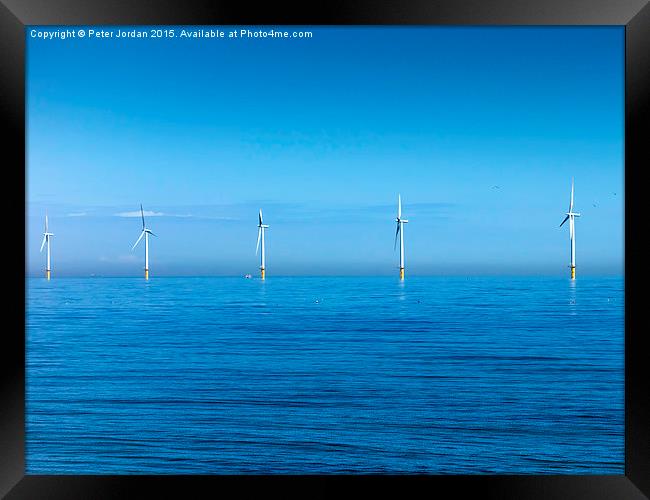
x: 322, y: 134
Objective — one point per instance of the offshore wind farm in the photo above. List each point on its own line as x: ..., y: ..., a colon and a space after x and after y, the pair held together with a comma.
x: 399, y: 236
x: 412, y: 303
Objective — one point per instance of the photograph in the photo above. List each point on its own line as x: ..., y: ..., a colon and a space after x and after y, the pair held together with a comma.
x: 325, y: 250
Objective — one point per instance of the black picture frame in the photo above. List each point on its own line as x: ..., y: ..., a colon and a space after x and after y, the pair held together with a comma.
x: 634, y: 15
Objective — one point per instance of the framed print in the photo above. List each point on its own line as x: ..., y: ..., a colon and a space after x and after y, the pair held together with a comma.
x: 361, y: 245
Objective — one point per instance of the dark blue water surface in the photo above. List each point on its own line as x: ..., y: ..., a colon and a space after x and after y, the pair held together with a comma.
x: 325, y: 375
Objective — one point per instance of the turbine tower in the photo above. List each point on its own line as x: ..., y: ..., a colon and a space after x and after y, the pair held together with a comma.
x: 400, y: 233
x: 46, y: 239
x: 570, y: 216
x: 260, y: 237
x: 145, y: 232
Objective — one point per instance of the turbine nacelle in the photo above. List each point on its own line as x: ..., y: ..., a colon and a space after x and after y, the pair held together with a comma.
x: 399, y: 220
x: 145, y: 230
x: 46, y: 237
x: 570, y: 214
x: 261, y: 227
x: 46, y: 233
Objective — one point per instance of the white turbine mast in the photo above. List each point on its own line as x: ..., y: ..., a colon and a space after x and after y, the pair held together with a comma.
x: 400, y: 233
x: 570, y: 216
x: 260, y: 239
x: 145, y: 232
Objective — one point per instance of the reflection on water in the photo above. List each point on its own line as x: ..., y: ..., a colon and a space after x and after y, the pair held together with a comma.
x: 401, y: 289
x: 573, y: 296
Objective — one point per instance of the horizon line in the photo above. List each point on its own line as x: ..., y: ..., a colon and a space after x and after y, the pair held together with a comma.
x: 417, y: 275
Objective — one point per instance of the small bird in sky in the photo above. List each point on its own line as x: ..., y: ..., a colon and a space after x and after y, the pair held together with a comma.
x: 496, y: 187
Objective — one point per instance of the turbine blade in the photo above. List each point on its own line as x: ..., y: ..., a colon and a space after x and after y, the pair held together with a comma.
x: 152, y: 234
x: 396, y: 235
x: 571, y: 202
x: 565, y: 219
x: 138, y: 240
x: 46, y: 224
x: 142, y: 213
x: 259, y: 235
x: 43, y: 244
x: 399, y: 206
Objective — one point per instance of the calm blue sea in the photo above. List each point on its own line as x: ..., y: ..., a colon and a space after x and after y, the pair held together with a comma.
x: 325, y: 375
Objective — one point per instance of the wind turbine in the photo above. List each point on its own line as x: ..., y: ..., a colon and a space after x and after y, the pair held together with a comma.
x: 46, y: 239
x: 260, y: 237
x: 570, y: 216
x: 145, y: 232
x: 400, y: 233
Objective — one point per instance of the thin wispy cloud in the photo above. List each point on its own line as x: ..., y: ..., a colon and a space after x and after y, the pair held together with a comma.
x: 289, y: 211
x: 137, y: 213
x: 150, y: 213
x: 308, y: 212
